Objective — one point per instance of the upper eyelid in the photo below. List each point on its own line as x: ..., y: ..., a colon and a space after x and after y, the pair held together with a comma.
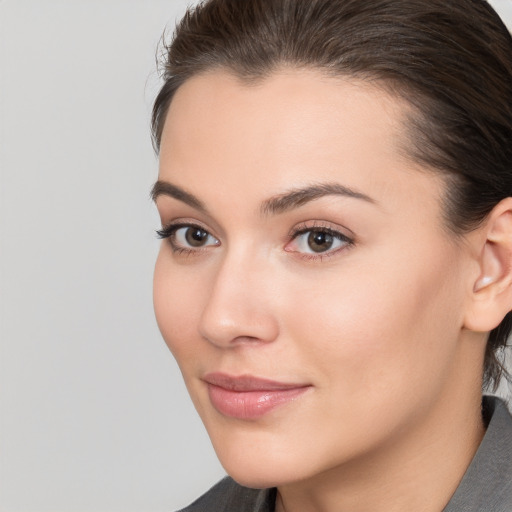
x: 168, y: 229
x: 184, y: 223
x: 333, y: 232
x: 209, y: 224
x: 318, y: 225
x: 347, y: 240
x: 168, y: 233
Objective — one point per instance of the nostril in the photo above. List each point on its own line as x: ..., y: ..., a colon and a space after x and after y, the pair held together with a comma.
x: 247, y: 339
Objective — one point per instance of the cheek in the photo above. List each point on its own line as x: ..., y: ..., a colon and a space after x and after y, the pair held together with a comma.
x: 387, y: 324
x: 177, y: 302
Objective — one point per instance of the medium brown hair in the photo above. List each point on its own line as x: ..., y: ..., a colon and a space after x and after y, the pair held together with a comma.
x: 451, y: 60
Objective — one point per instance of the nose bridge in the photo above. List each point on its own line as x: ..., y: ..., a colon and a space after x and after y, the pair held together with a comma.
x: 238, y: 306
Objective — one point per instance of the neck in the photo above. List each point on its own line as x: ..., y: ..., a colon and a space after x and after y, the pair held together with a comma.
x: 418, y: 470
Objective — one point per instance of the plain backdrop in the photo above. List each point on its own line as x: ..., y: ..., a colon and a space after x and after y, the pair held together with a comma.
x: 93, y: 414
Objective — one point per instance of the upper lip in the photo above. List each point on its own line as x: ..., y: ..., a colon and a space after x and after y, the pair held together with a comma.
x: 247, y: 383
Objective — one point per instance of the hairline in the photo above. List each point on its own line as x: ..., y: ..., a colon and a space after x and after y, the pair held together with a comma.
x: 400, y: 90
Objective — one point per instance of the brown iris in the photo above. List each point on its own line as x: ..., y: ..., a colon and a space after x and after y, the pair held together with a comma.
x: 196, y: 237
x: 319, y: 241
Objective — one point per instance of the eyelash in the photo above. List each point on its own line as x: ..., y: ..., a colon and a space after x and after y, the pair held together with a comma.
x: 168, y: 233
x: 320, y: 228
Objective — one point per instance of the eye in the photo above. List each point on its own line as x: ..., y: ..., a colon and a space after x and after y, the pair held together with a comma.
x: 318, y: 241
x: 187, y: 237
x: 193, y: 237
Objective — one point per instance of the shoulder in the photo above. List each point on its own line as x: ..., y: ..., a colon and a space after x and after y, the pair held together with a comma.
x: 487, y: 484
x: 228, y: 496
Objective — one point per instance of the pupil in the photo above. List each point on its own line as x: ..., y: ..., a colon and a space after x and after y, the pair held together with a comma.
x: 319, y: 241
x: 196, y: 237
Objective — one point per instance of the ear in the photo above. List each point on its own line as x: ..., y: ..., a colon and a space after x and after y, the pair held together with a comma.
x: 491, y: 297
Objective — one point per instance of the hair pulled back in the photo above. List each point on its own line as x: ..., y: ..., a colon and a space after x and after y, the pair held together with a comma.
x: 451, y: 60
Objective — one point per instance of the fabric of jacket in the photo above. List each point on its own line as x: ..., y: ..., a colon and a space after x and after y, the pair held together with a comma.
x: 485, y: 487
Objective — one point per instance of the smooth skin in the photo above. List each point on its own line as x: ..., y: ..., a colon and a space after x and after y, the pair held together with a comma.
x: 358, y: 290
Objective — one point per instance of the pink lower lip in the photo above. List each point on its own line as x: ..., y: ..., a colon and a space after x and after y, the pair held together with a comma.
x: 251, y: 404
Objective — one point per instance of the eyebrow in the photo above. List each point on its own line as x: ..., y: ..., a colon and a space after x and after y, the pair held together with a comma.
x: 275, y: 205
x: 164, y: 188
x: 300, y: 196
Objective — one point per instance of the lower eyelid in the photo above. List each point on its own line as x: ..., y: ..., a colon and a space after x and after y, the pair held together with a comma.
x: 306, y: 256
x: 168, y: 232
x: 184, y: 248
x: 335, y: 234
x: 345, y: 243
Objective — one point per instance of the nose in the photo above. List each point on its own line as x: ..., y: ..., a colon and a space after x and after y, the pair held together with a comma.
x: 239, y: 307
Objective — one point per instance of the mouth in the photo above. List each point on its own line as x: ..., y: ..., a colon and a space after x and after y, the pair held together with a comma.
x: 248, y: 398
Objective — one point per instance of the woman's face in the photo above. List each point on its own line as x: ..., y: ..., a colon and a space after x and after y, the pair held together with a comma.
x: 307, y: 288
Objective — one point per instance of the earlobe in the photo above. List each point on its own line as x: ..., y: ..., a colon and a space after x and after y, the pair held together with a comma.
x: 491, y: 297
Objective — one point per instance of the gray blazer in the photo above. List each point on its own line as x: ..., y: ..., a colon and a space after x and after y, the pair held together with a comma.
x: 486, y: 486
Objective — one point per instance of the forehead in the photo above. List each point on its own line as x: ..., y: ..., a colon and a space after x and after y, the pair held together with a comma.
x: 289, y: 107
x: 291, y: 128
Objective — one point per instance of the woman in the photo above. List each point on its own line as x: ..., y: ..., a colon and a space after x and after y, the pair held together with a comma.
x: 335, y: 279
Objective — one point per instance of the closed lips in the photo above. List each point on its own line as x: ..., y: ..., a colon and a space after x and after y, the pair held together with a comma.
x: 248, y: 383
x: 247, y: 397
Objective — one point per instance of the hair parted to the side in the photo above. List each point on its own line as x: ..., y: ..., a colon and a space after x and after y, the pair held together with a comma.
x: 451, y: 60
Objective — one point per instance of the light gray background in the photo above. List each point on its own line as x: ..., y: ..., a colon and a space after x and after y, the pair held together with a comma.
x: 93, y: 413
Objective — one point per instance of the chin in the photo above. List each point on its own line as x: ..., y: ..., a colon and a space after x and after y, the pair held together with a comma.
x: 262, y: 476
x: 262, y: 466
